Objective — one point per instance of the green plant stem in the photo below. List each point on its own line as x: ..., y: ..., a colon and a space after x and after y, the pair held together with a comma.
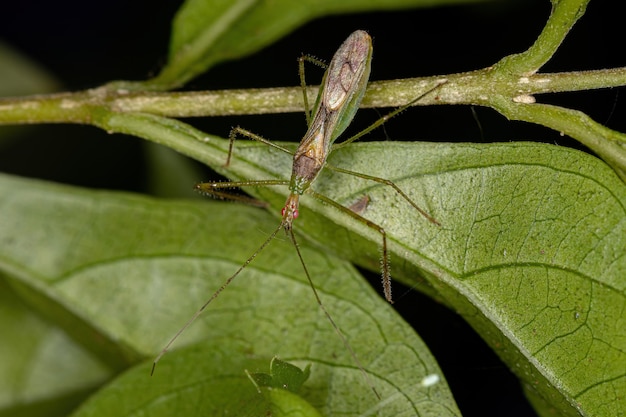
x: 564, y: 15
x: 509, y: 87
x: 608, y: 144
x: 475, y: 88
x: 507, y: 93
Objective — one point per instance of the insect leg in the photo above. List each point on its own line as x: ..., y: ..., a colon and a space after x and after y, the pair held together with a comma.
x: 216, y: 189
x: 388, y: 116
x: 315, y: 61
x: 388, y: 183
x: 386, y: 274
x: 238, y: 131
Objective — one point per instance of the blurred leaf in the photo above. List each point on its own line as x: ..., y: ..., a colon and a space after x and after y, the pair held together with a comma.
x: 121, y: 274
x: 19, y: 76
x: 167, y: 170
x: 206, y: 32
x: 34, y: 353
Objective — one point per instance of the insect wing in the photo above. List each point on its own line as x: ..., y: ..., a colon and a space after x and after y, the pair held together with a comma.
x: 346, y: 80
x: 340, y: 94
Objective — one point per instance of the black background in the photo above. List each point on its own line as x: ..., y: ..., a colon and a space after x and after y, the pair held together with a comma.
x: 84, y: 44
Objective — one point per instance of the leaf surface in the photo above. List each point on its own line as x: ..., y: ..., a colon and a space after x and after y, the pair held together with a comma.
x: 122, y: 273
x: 531, y: 251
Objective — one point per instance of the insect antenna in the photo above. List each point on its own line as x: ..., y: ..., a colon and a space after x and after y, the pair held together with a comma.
x: 345, y: 342
x: 215, y: 295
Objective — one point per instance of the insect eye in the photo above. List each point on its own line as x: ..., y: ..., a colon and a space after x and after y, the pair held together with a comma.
x: 296, y: 213
x: 282, y: 212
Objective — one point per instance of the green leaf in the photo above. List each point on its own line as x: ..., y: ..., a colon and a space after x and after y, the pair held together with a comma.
x: 206, y: 32
x: 167, y: 170
x: 530, y: 250
x: 279, y: 387
x: 34, y: 353
x: 189, y: 384
x: 282, y: 375
x: 121, y: 274
x: 20, y: 76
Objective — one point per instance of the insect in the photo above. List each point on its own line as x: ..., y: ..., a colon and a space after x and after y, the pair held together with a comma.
x: 339, y: 97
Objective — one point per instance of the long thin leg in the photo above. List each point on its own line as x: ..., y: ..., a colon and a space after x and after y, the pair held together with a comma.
x: 246, y: 133
x: 390, y: 184
x: 386, y: 276
x: 388, y: 116
x: 315, y: 61
x: 214, y: 189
